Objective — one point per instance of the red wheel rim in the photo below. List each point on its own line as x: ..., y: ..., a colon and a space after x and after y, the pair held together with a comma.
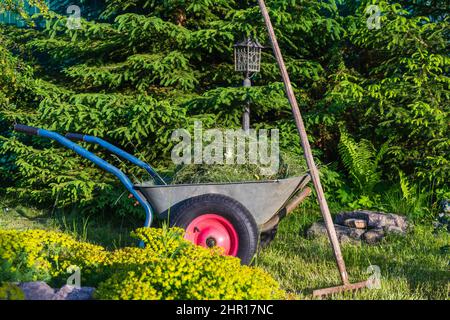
x: 211, y: 230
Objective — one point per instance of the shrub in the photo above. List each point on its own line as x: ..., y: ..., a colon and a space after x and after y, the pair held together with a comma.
x: 44, y: 255
x: 168, y: 267
x: 172, y: 268
x: 10, y: 291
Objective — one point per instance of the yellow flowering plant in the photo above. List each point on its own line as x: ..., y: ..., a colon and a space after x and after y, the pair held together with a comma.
x: 44, y: 255
x: 167, y: 267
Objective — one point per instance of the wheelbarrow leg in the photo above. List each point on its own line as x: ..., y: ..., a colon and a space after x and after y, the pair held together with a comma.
x: 308, y: 155
x: 295, y: 202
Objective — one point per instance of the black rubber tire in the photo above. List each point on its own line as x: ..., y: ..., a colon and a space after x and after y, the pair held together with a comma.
x: 241, y: 219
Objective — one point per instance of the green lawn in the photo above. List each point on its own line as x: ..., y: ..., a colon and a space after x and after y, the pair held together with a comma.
x: 412, y: 267
x: 108, y: 231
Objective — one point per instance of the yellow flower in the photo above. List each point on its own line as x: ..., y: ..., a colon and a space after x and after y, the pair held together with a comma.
x: 169, y: 267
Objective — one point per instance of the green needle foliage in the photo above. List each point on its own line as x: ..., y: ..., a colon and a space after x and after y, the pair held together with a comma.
x: 138, y: 69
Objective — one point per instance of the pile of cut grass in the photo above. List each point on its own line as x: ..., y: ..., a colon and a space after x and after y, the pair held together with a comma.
x: 290, y: 165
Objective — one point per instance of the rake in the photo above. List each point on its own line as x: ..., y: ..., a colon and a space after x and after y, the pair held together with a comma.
x: 346, y: 285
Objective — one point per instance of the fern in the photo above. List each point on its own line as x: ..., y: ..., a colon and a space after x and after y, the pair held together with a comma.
x: 404, y: 186
x: 361, y: 161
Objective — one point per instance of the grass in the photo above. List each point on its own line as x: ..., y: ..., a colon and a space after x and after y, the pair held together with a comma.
x: 289, y: 166
x: 108, y: 231
x: 412, y: 267
x: 416, y: 206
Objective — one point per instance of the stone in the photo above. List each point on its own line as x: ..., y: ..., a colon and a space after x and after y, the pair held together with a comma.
x: 354, y: 233
x: 374, y: 220
x: 373, y: 236
x: 344, y: 234
x: 356, y: 223
x: 442, y: 222
x: 444, y: 218
x: 362, y: 225
x: 38, y: 290
x: 73, y: 293
x: 394, y: 229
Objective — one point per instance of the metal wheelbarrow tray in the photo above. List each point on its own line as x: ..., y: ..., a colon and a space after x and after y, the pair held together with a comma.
x: 263, y: 199
x: 229, y: 215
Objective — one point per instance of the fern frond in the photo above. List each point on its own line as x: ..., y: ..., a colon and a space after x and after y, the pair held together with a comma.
x: 360, y: 161
x: 404, y: 186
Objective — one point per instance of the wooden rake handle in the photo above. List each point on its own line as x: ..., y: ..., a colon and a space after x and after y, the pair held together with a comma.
x: 306, y: 147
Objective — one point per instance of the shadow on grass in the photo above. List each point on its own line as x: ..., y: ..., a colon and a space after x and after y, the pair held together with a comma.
x: 106, y: 229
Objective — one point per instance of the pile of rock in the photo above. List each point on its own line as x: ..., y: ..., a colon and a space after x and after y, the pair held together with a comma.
x: 362, y: 225
x: 39, y: 290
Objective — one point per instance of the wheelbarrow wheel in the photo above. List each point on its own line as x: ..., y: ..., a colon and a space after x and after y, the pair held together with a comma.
x: 217, y: 220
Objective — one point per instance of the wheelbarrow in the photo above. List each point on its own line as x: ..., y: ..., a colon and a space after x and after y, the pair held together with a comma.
x: 229, y: 215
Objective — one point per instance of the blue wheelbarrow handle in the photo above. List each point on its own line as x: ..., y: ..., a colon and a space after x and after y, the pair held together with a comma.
x: 121, y: 153
x: 98, y: 161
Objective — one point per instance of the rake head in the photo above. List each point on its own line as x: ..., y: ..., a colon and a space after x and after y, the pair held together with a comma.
x: 342, y: 288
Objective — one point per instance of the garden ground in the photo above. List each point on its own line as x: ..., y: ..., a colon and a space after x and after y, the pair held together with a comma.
x: 411, y: 267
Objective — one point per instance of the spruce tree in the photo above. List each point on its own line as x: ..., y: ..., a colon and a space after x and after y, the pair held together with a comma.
x: 138, y: 69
